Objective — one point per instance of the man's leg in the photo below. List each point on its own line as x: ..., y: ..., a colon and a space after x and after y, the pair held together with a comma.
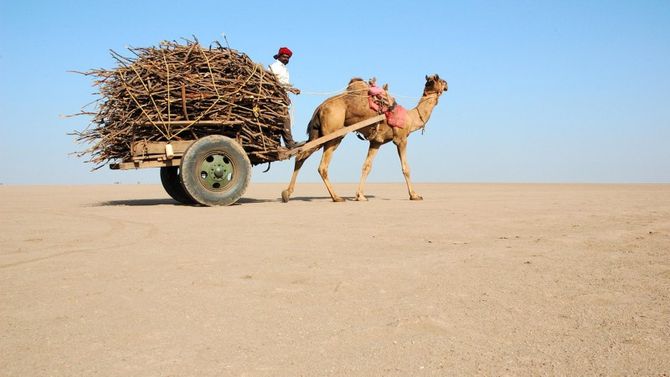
x: 286, y: 134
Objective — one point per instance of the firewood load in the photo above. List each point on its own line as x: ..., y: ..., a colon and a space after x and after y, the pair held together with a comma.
x: 184, y: 92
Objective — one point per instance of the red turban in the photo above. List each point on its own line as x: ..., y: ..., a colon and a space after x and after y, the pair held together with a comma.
x: 284, y: 51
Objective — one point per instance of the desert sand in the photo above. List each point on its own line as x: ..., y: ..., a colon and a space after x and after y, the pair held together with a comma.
x: 477, y: 279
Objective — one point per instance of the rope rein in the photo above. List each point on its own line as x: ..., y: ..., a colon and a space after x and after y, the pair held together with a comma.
x: 344, y: 91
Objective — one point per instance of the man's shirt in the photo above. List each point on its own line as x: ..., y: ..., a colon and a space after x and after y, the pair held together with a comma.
x: 280, y: 70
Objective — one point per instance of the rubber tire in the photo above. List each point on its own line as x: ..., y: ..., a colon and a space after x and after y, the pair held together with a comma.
x: 190, y: 170
x: 172, y: 184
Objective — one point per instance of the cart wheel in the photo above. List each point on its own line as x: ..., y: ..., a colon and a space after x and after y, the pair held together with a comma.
x: 215, y: 171
x: 172, y: 185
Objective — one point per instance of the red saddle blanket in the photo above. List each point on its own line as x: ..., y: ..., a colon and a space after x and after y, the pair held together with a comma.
x: 378, y: 101
x: 396, y: 117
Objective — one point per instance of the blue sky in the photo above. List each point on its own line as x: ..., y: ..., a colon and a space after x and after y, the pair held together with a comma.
x: 539, y: 91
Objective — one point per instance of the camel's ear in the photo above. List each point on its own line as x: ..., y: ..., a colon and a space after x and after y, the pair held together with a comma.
x: 386, y: 86
x: 437, y: 77
x: 426, y: 77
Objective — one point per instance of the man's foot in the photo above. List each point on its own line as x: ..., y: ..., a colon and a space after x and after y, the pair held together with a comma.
x: 292, y: 144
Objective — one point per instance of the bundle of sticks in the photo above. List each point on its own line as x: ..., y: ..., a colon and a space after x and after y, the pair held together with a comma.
x: 184, y: 92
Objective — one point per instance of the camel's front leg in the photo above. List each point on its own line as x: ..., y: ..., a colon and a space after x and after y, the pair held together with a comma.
x: 402, y: 153
x: 367, y: 166
x: 328, y: 150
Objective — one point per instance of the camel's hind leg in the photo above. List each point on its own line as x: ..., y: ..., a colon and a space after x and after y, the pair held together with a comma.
x: 299, y: 160
x: 367, y: 166
x: 328, y: 150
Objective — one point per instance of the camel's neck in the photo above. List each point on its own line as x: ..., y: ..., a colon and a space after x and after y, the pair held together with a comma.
x: 421, y: 113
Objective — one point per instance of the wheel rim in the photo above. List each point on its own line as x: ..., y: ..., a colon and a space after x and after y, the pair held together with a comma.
x: 217, y: 171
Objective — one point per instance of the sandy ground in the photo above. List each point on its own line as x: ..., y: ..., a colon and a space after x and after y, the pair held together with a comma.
x: 475, y: 280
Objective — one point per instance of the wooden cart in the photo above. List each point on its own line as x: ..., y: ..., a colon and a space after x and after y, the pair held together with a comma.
x: 212, y: 170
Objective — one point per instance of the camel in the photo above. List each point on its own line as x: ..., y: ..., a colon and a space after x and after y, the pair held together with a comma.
x: 351, y: 107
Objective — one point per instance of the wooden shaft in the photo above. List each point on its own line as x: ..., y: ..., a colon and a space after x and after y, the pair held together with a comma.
x: 339, y: 133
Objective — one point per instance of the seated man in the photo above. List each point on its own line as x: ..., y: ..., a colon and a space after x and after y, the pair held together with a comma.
x: 279, y: 69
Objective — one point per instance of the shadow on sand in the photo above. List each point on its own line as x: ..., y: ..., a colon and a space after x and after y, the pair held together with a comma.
x: 137, y: 202
x: 324, y: 198
x: 168, y: 201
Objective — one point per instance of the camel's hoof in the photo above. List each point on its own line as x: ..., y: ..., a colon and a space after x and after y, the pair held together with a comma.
x: 337, y: 199
x: 285, y: 196
x: 416, y: 197
x: 361, y: 198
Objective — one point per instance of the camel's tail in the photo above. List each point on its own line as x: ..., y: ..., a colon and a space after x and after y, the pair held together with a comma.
x: 314, y: 126
x: 313, y: 133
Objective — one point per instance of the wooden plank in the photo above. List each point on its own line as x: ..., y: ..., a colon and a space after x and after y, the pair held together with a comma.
x: 339, y: 133
x: 145, y: 164
x: 143, y: 148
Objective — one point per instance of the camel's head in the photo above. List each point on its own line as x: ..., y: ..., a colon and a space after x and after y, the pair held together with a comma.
x: 434, y: 84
